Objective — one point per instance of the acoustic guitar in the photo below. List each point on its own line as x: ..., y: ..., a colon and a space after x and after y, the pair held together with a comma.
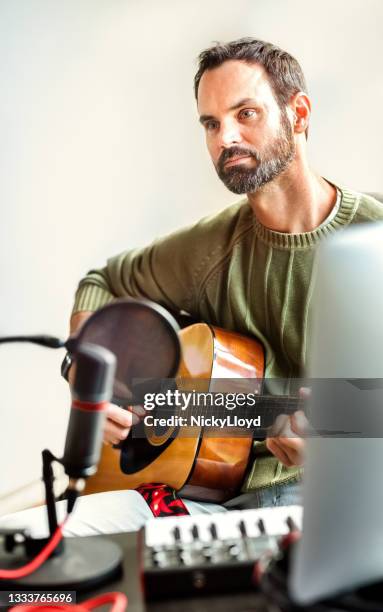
x: 198, y: 465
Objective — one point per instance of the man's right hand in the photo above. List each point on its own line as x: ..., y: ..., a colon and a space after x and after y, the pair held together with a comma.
x: 119, y: 422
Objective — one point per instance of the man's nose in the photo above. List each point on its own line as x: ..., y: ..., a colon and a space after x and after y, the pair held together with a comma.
x: 229, y: 134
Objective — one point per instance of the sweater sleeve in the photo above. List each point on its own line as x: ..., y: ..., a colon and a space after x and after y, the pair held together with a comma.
x: 165, y: 272
x: 170, y: 271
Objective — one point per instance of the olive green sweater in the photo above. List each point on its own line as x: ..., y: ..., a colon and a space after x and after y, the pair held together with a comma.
x: 231, y: 271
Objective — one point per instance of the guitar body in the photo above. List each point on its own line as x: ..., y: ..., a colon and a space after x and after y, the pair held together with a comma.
x: 200, y: 467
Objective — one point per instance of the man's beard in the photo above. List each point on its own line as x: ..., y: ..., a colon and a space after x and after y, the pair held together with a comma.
x: 269, y: 164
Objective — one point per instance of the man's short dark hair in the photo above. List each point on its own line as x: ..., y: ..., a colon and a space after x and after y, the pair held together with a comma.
x: 285, y: 74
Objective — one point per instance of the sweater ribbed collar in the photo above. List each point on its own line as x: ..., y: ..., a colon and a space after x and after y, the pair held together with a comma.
x: 348, y: 205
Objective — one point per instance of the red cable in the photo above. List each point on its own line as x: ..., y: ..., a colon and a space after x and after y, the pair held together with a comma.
x: 119, y: 601
x: 33, y: 565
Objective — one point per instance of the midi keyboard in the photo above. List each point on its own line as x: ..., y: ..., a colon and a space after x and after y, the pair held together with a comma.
x: 209, y: 553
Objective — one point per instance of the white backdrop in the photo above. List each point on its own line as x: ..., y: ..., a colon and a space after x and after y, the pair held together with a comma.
x: 100, y: 150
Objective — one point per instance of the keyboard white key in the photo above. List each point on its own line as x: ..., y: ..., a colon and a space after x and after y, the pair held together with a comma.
x: 160, y: 531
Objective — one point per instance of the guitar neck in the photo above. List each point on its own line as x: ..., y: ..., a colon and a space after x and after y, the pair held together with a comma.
x: 283, y: 404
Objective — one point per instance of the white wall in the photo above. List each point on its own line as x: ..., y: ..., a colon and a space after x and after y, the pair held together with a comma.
x: 100, y: 150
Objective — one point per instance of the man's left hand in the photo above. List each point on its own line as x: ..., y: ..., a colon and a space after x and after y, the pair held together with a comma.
x: 287, y: 443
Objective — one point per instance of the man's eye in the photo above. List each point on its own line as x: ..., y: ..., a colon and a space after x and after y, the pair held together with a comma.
x: 247, y: 113
x: 211, y: 125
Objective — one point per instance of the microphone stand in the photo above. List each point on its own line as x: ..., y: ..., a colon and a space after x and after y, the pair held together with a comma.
x: 76, y: 563
x: 48, y: 479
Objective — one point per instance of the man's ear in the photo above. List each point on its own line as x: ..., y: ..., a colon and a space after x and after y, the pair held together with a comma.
x: 300, y: 104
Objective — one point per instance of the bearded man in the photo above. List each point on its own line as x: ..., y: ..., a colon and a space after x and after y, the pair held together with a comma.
x: 248, y: 268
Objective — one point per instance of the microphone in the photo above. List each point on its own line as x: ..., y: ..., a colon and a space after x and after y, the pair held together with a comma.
x: 92, y: 390
x: 81, y: 564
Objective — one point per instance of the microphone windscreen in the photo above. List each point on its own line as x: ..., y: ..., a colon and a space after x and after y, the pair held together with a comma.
x: 143, y: 336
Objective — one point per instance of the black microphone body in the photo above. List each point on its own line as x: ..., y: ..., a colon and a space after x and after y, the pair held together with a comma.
x: 92, y: 390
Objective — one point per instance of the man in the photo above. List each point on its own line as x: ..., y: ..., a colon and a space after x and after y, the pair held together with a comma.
x: 248, y: 268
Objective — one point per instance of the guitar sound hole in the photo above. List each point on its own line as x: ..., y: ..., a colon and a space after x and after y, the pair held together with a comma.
x: 162, y: 423
x: 160, y: 430
x: 137, y: 452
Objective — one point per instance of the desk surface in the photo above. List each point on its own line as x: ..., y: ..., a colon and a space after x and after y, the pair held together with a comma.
x: 130, y: 584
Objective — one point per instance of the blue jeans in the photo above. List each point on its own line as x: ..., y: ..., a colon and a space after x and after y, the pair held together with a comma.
x: 285, y: 494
